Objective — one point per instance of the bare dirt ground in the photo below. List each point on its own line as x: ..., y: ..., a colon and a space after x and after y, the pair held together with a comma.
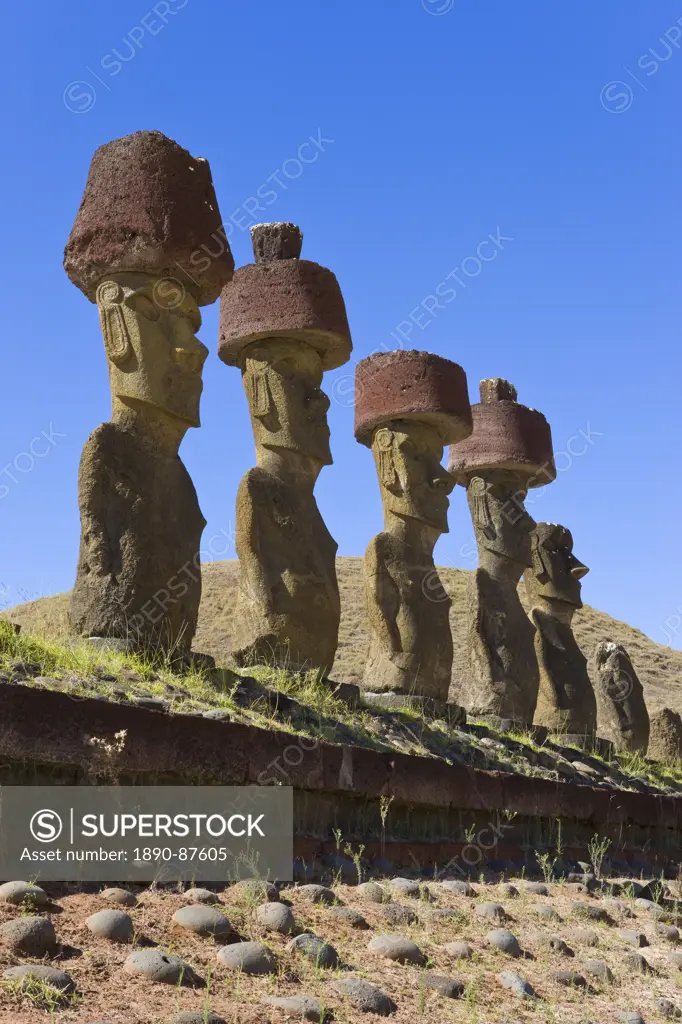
x: 106, y: 993
x: 659, y: 668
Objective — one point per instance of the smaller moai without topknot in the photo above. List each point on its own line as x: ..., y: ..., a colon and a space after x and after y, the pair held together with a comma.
x: 566, y: 699
x: 665, y: 737
x: 148, y: 208
x: 622, y: 714
x: 283, y: 323
x: 508, y: 452
x: 408, y: 405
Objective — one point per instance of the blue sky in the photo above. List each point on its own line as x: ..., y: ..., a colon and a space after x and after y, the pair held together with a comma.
x: 552, y: 127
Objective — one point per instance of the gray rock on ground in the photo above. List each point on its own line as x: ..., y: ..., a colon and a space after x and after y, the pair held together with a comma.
x: 586, y: 936
x: 617, y: 907
x: 300, y: 1007
x: 201, y: 896
x: 248, y: 958
x: 536, y: 888
x: 115, y: 925
x: 448, y: 987
x: 598, y: 969
x: 460, y: 888
x: 316, y: 893
x: 633, y: 937
x: 122, y: 897
x: 372, y: 892
x: 547, y: 913
x: 16, y: 892
x: 668, y: 931
x: 163, y: 968
x: 396, y: 947
x: 459, y: 949
x: 315, y: 949
x: 203, y: 920
x: 40, y: 972
x: 505, y: 941
x: 406, y: 887
x: 516, y: 984
x: 568, y: 978
x: 559, y: 945
x: 276, y: 917
x: 591, y: 912
x: 258, y: 890
x: 32, y: 936
x: 352, y: 917
x: 365, y: 997
x: 397, y: 914
x: 490, y: 911
x: 636, y: 962
x: 667, y: 1008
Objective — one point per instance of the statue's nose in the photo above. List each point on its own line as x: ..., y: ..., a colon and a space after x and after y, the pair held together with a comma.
x: 578, y: 570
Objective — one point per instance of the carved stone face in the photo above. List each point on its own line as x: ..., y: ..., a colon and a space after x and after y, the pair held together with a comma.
x: 288, y: 408
x: 149, y: 327
x: 501, y: 521
x: 414, y: 484
x: 556, y: 571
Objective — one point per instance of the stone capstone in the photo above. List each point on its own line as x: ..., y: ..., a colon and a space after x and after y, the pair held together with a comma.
x: 150, y: 207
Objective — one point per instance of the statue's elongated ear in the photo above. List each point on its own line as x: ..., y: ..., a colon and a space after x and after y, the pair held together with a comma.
x: 480, y: 507
x: 383, y: 445
x: 117, y: 343
x: 258, y: 393
x: 542, y: 562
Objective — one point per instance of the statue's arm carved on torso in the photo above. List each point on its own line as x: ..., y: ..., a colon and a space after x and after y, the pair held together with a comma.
x: 98, y: 504
x: 259, y: 578
x: 384, y: 601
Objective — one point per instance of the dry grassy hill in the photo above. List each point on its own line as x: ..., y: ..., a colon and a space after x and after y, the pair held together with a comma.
x: 659, y: 668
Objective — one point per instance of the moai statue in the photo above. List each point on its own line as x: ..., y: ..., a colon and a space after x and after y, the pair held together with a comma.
x: 665, y: 737
x: 509, y: 451
x: 408, y: 405
x: 147, y: 209
x: 566, y: 701
x: 621, y: 711
x: 283, y: 322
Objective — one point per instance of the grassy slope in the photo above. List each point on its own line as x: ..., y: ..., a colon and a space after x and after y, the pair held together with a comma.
x: 659, y: 668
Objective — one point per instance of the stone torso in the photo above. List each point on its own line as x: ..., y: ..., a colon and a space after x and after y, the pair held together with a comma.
x: 288, y: 607
x: 503, y: 671
x: 621, y: 708
x: 141, y: 527
x: 566, y: 700
x: 411, y: 644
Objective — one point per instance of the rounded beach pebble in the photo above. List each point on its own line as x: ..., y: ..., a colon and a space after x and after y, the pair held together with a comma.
x: 248, y: 957
x: 315, y: 949
x: 16, y: 892
x: 396, y: 947
x: 160, y: 967
x: 201, y: 896
x: 115, y: 925
x: 40, y: 972
x: 276, y: 917
x: 33, y: 936
x: 120, y: 896
x: 203, y: 920
x: 365, y: 997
